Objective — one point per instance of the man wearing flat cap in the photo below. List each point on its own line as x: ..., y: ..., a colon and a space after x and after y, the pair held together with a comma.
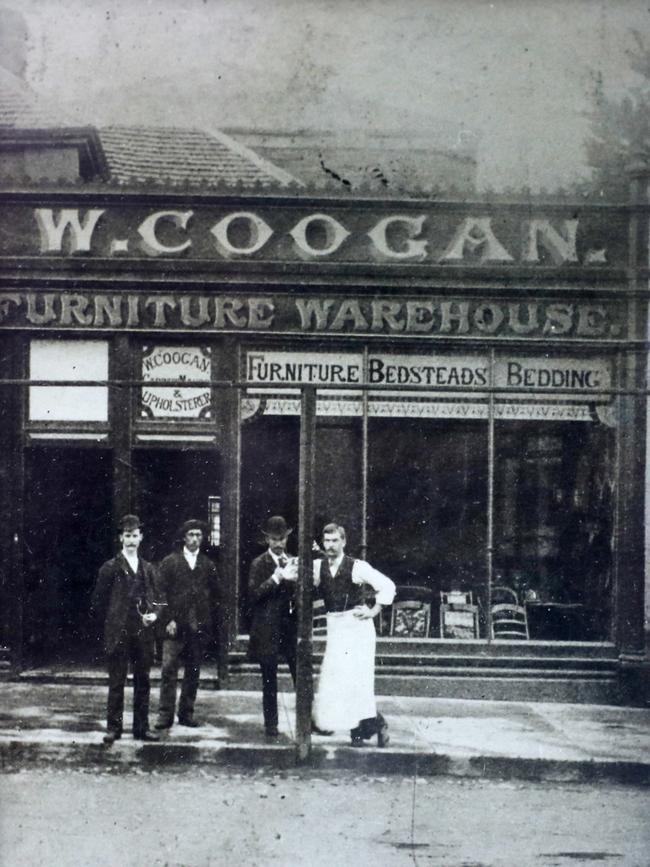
x: 124, y: 597
x: 271, y: 595
x: 188, y: 584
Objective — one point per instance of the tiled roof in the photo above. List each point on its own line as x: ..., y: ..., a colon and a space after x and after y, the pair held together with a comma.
x: 178, y: 155
x: 20, y: 108
x: 140, y: 153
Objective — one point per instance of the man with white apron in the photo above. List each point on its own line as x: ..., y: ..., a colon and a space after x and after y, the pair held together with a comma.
x: 346, y: 690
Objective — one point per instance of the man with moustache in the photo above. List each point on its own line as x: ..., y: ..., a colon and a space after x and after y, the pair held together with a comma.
x: 188, y: 585
x: 353, y: 593
x: 271, y: 595
x: 124, y: 596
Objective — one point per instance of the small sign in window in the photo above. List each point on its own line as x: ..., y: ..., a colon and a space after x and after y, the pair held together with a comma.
x: 182, y: 363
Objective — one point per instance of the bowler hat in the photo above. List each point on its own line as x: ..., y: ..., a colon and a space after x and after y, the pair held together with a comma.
x: 192, y: 524
x: 129, y: 522
x: 277, y: 527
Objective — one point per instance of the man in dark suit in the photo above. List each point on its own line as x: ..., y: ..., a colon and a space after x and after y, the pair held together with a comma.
x: 188, y: 584
x: 271, y: 595
x: 124, y: 598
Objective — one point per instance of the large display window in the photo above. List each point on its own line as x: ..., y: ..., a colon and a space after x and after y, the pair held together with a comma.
x: 483, y: 484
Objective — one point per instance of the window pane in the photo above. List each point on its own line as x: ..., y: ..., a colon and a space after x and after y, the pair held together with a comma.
x: 553, y: 524
x: 68, y: 359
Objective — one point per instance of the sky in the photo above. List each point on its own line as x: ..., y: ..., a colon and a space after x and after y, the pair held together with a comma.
x: 513, y: 76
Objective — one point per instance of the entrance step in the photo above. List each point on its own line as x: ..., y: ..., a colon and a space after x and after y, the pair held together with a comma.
x: 510, y: 671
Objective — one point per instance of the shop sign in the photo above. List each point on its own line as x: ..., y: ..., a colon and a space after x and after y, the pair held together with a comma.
x: 177, y: 363
x: 392, y: 315
x: 386, y: 232
x: 431, y: 386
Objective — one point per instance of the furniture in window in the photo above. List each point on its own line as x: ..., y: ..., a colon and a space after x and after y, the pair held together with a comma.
x: 319, y: 619
x: 508, y: 619
x: 410, y: 618
x: 458, y: 615
x: 501, y: 593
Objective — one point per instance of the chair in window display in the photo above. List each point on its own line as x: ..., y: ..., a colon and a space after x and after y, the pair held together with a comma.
x: 410, y: 614
x: 508, y: 619
x: 458, y: 615
x: 410, y: 618
x: 319, y: 619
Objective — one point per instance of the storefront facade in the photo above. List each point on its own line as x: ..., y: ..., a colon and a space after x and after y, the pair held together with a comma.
x: 480, y: 408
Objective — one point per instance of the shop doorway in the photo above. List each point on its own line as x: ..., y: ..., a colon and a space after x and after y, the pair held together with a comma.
x: 173, y: 485
x: 269, y: 486
x: 68, y: 534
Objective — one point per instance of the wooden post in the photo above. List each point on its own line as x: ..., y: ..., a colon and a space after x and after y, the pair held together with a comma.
x: 12, y: 494
x: 226, y: 409
x: 120, y: 419
x: 304, y: 679
x: 632, y: 505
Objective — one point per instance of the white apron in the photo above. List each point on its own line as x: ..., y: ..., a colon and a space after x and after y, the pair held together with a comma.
x: 346, y: 686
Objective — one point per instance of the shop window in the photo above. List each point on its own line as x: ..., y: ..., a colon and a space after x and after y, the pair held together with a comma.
x: 553, y: 525
x: 56, y: 360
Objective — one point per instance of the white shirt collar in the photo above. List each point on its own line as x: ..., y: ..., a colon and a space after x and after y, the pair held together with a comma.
x: 334, y: 564
x: 190, y: 556
x: 131, y: 559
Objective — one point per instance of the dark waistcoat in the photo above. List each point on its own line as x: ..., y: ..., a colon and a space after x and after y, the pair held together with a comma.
x: 339, y: 591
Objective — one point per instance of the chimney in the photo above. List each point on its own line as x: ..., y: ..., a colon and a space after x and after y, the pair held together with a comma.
x: 13, y: 42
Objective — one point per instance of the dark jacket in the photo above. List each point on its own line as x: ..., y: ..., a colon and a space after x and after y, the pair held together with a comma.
x: 191, y: 595
x: 273, y: 625
x: 113, y: 600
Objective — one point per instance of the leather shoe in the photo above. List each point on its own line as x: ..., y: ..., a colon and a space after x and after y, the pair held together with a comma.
x: 190, y: 722
x: 323, y: 732
x: 383, y: 737
x: 146, y: 736
x: 110, y: 738
x: 162, y: 726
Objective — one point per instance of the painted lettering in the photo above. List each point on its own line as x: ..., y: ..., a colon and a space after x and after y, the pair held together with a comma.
x: 349, y: 311
x: 419, y: 316
x: 74, y: 307
x: 314, y: 313
x: 160, y: 303
x: 148, y: 228
x: 260, y: 313
x: 335, y: 235
x: 411, y: 226
x: 258, y: 232
x: 560, y: 248
x: 475, y: 233
x: 229, y: 310
x: 79, y: 230
x: 200, y: 317
x: 107, y: 308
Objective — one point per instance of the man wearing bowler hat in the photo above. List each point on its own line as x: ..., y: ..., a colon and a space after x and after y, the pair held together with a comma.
x: 188, y: 584
x: 124, y: 598
x: 271, y: 595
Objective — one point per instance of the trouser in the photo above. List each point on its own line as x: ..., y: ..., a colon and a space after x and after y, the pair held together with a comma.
x: 368, y: 727
x: 136, y: 649
x: 270, y: 689
x: 191, y: 645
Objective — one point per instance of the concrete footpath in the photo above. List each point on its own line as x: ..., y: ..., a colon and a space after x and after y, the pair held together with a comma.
x: 61, y: 723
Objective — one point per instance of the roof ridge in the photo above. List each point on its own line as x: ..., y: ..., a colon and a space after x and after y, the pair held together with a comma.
x: 275, y: 171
